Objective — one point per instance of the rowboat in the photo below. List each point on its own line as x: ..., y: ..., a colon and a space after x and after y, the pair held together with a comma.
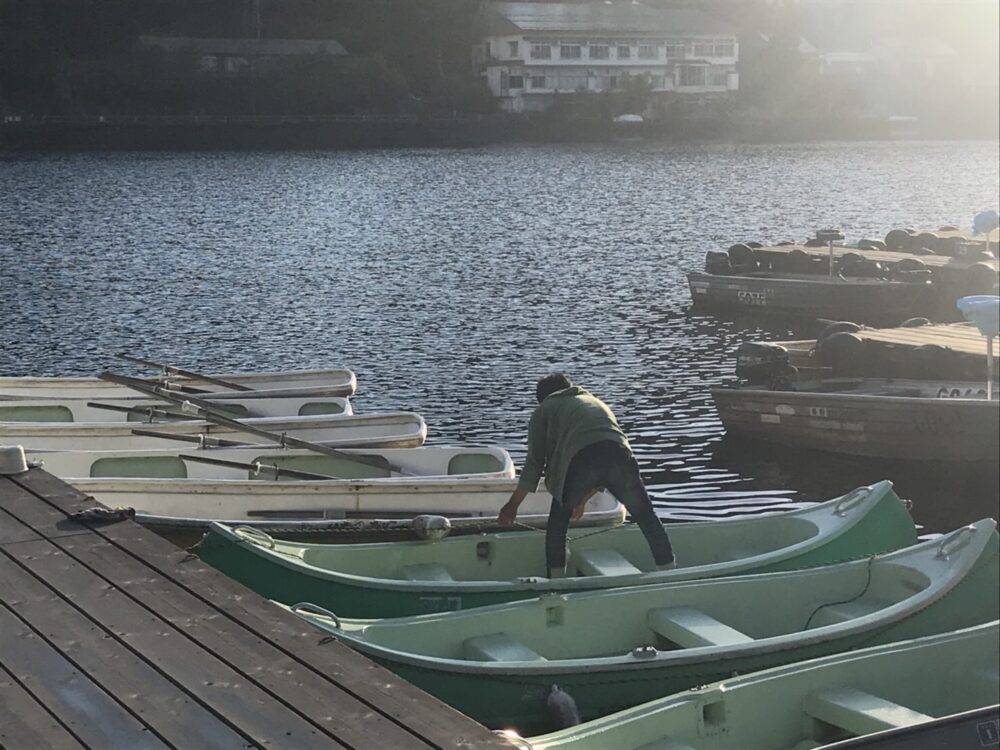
x: 610, y: 650
x: 811, y: 704
x: 402, y: 578
x: 900, y: 419
x: 268, y: 488
x: 385, y: 430
x: 149, y: 410
x: 263, y: 384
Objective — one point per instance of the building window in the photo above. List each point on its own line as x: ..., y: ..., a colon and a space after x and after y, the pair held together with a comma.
x: 647, y: 51
x: 569, y: 51
x: 612, y: 82
x: 693, y: 75
x: 718, y: 78
x: 704, y: 49
x: 486, y: 49
x: 674, y: 50
x: 599, y: 52
x: 624, y: 52
x: 541, y: 52
x: 515, y: 82
x: 537, y: 82
x: 512, y: 48
x: 725, y: 49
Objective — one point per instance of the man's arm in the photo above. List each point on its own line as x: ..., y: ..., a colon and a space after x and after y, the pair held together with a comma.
x: 530, y: 474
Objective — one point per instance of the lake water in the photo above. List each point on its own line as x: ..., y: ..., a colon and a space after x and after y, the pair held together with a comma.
x: 450, y: 280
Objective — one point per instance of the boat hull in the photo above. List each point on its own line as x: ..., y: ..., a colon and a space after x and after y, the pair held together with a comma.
x: 816, y: 296
x: 895, y: 427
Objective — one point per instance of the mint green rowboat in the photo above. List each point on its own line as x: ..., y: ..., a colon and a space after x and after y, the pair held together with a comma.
x: 614, y: 649
x: 809, y: 704
x: 404, y: 578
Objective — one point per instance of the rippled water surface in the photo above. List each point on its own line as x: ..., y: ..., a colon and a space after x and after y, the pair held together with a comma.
x: 449, y: 280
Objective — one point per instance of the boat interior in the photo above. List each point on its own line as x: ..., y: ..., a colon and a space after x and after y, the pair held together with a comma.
x: 516, y: 556
x: 371, y: 465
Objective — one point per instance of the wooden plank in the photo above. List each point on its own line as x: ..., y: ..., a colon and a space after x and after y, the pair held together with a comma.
x: 347, y: 718
x: 222, y: 690
x: 42, y: 522
x: 25, y: 723
x: 139, y: 687
x: 87, y: 709
x: 440, y: 725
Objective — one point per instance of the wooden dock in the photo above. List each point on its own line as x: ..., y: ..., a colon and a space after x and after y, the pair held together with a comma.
x: 112, y: 638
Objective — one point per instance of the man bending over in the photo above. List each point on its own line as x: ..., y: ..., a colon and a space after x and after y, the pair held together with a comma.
x: 574, y: 438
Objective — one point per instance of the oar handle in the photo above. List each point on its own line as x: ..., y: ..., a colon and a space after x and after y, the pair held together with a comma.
x: 185, y: 373
x: 256, y: 467
x: 150, y: 411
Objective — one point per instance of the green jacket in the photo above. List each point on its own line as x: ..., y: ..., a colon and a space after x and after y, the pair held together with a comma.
x: 561, y: 425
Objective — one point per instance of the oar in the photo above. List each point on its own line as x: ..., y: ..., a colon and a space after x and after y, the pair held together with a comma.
x: 204, y: 441
x: 208, y: 412
x: 257, y: 467
x: 184, y: 373
x: 149, y: 411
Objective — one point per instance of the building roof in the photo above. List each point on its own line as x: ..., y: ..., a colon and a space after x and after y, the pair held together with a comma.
x: 245, y: 47
x: 606, y: 17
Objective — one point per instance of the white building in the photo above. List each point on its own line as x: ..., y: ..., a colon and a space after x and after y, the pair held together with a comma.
x: 530, y: 51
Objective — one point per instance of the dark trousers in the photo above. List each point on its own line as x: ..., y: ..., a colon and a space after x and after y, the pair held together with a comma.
x: 610, y: 465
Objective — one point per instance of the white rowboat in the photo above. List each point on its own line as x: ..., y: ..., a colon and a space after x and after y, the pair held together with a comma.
x: 150, y: 410
x: 385, y: 430
x: 264, y: 384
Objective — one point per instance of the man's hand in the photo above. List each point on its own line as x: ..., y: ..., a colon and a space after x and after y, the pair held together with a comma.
x: 578, y: 511
x: 507, y: 516
x: 508, y: 513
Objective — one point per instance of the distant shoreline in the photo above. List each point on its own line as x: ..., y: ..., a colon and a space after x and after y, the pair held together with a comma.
x: 199, y: 132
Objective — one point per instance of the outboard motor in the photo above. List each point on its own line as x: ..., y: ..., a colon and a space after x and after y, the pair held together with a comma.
x: 760, y: 363
x: 718, y: 263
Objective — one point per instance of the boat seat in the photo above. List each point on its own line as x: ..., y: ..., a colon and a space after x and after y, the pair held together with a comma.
x: 859, y: 712
x: 498, y: 647
x: 426, y: 572
x: 832, y: 614
x: 603, y: 562
x: 665, y: 743
x: 692, y: 628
